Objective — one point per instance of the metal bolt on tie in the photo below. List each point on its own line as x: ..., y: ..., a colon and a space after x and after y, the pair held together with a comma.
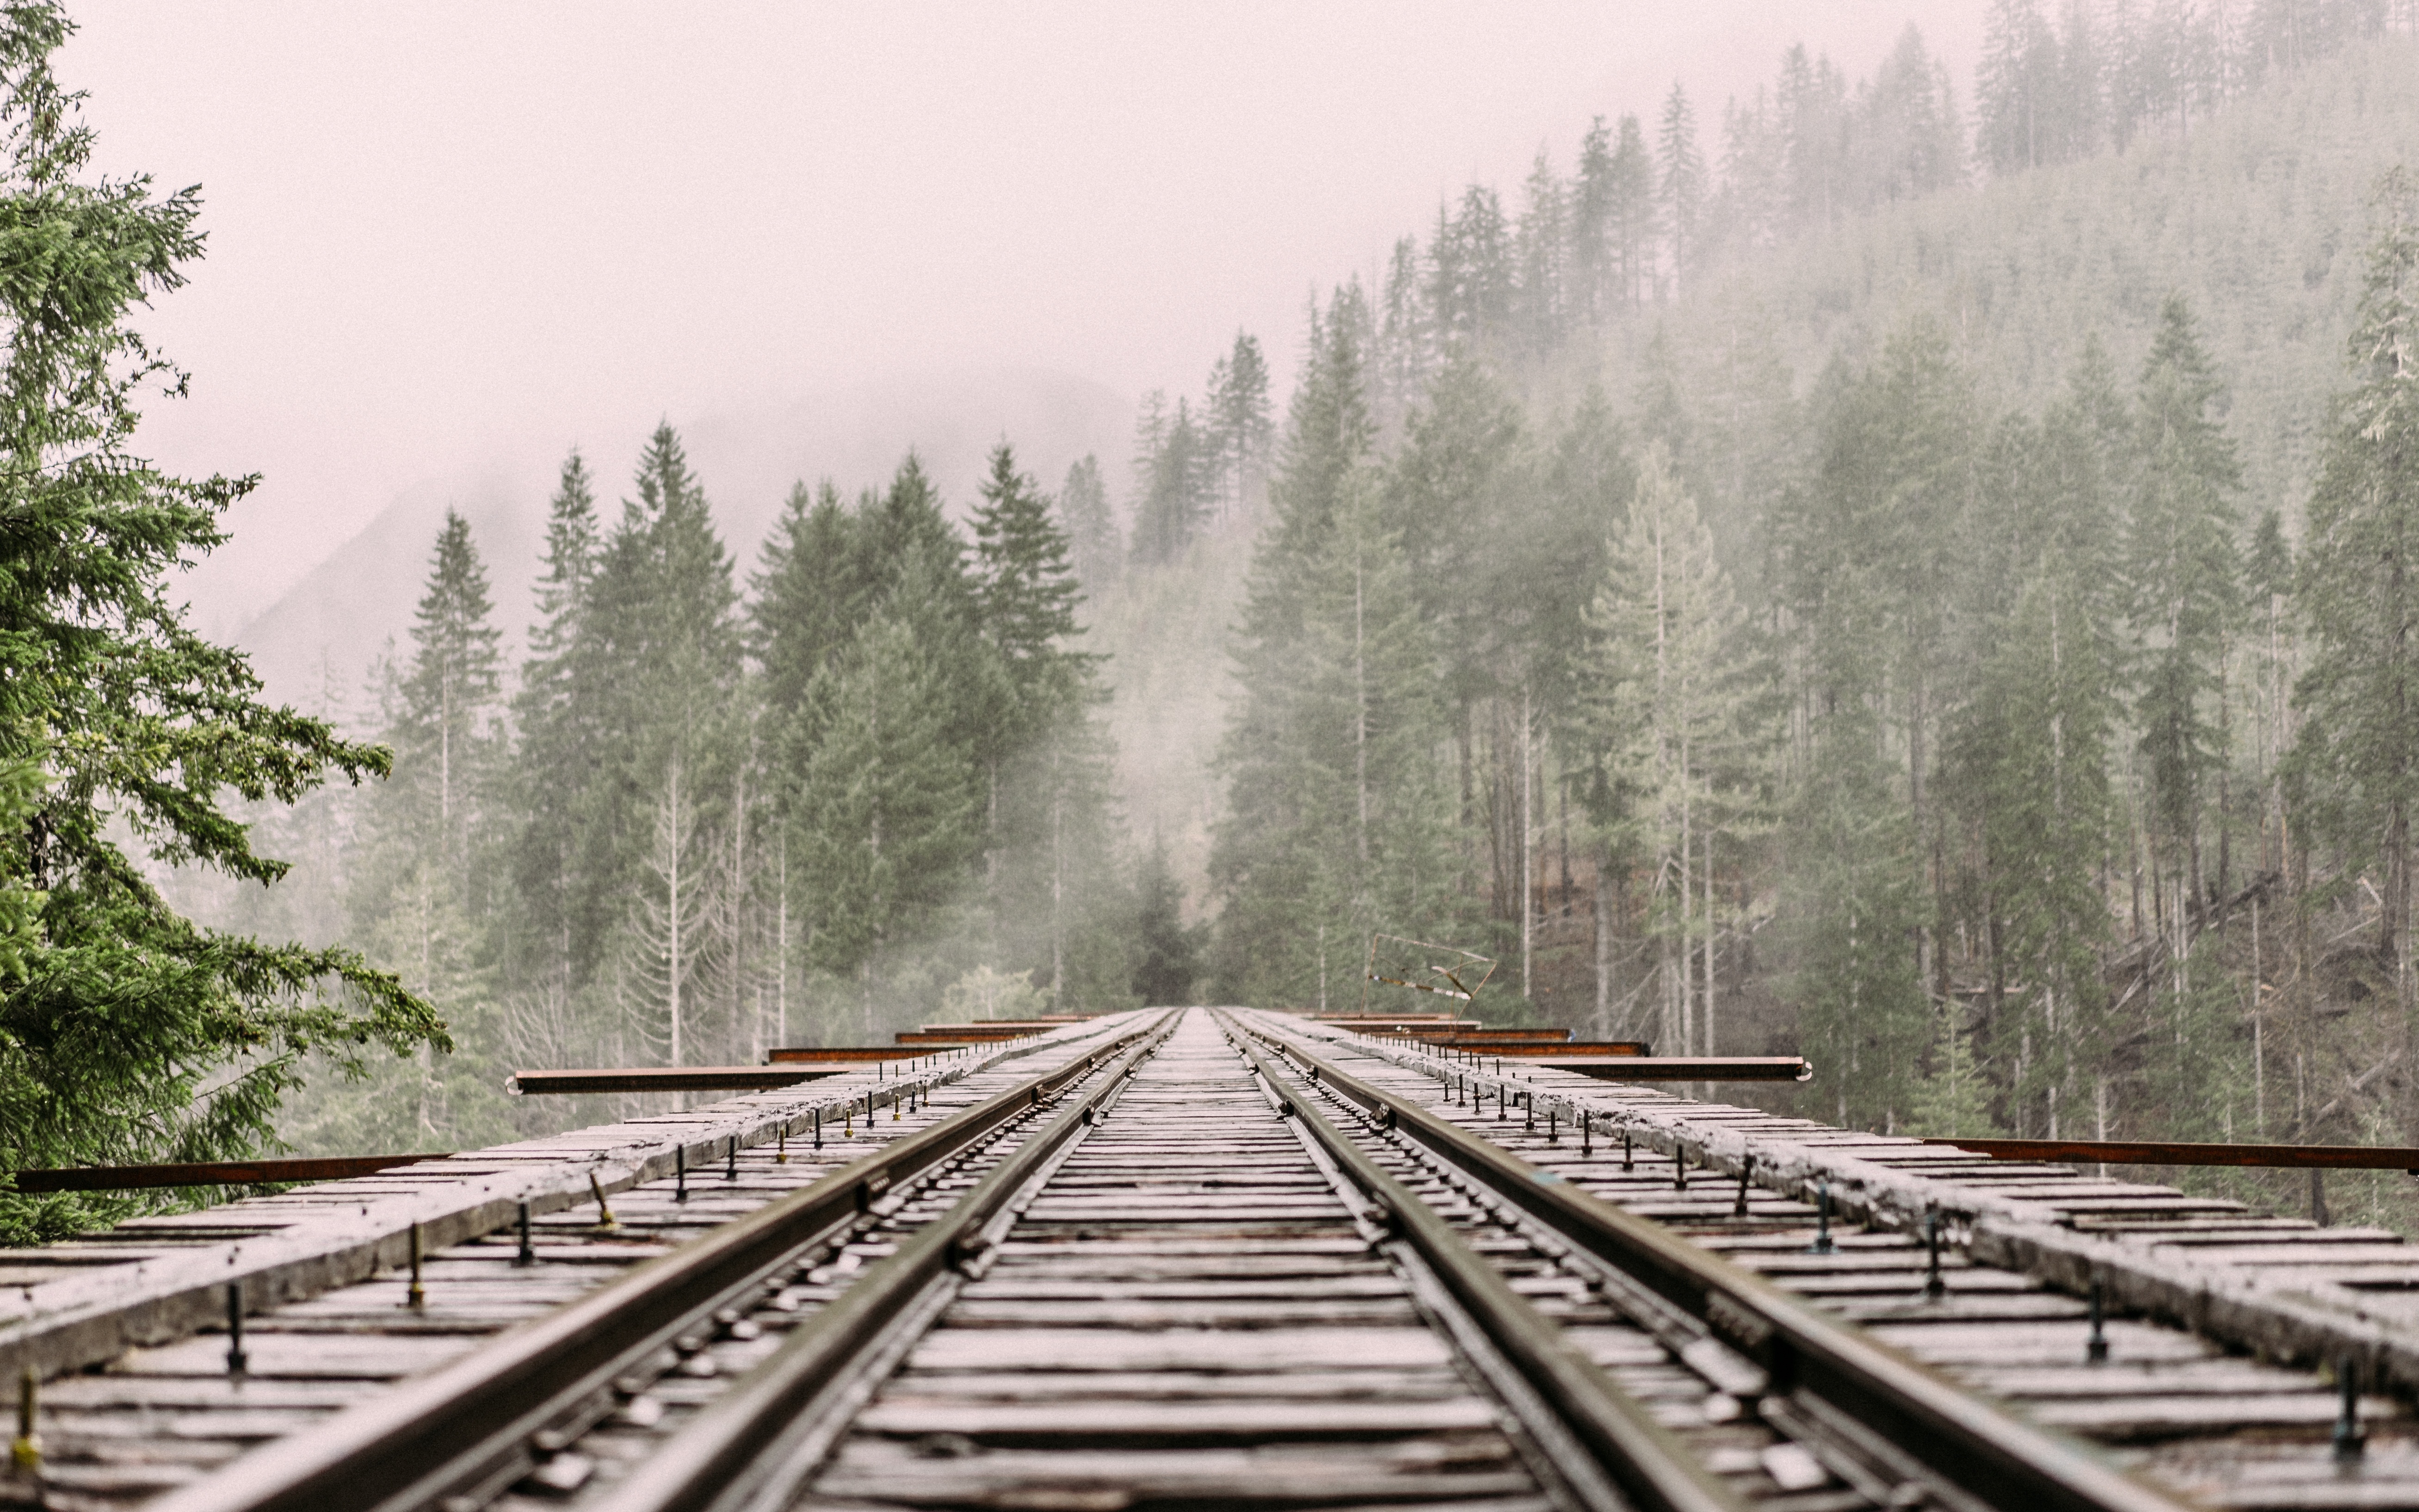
x: 1586, y: 1148
x: 782, y: 1151
x: 1679, y: 1166
x: 25, y: 1454
x: 415, y: 1297
x: 1628, y: 1155
x: 238, y: 1361
x: 680, y: 1172
x: 528, y: 1254
x: 2350, y: 1441
x: 731, y: 1164
x: 603, y: 1213
x: 2095, y: 1350
x: 1823, y: 1244
x: 1934, y: 1288
x: 1746, y: 1168
x: 819, y: 1128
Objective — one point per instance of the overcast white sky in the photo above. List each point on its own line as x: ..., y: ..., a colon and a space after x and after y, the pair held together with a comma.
x: 439, y: 233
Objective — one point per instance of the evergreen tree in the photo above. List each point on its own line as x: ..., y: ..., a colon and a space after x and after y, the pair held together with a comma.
x: 2015, y: 88
x: 1092, y: 543
x: 813, y: 589
x: 887, y: 817
x: 1591, y: 288
x: 1236, y: 423
x: 1680, y: 184
x: 445, y: 737
x: 561, y: 748
x: 2183, y: 573
x: 1168, y: 955
x: 1337, y: 821
x: 1954, y: 1102
x: 1669, y: 715
x: 128, y: 1033
x: 1182, y: 484
x: 661, y: 645
x: 1630, y: 190
x: 2359, y: 580
x: 1540, y: 242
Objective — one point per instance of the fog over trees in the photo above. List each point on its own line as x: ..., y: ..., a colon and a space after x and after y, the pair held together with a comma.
x: 1900, y: 569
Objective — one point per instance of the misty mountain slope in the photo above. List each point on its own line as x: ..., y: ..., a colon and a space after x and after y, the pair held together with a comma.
x: 2258, y: 217
x: 325, y: 631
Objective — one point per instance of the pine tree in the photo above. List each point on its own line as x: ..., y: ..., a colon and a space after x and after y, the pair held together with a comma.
x: 1591, y: 290
x: 1954, y: 1102
x: 1681, y: 181
x: 2184, y: 572
x: 1668, y: 715
x: 561, y: 748
x: 1092, y: 543
x: 1539, y: 242
x: 1237, y: 426
x: 887, y: 817
x: 1168, y: 957
x: 444, y: 738
x: 127, y: 1032
x: 1176, y: 504
x: 1337, y: 821
x: 1630, y: 189
x: 1044, y: 789
x: 2013, y: 88
x: 2358, y: 584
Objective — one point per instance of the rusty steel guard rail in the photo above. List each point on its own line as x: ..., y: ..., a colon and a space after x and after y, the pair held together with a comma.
x: 1990, y: 1456
x: 470, y: 1425
x: 217, y: 1172
x: 2171, y: 1152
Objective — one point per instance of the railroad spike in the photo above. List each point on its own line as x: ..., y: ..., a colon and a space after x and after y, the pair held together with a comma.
x: 2095, y: 1348
x: 238, y: 1361
x: 25, y: 1454
x: 2350, y: 1439
x: 415, y: 1297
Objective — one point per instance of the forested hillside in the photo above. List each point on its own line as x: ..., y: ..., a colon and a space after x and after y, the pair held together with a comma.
x: 1891, y: 574
x: 1890, y: 598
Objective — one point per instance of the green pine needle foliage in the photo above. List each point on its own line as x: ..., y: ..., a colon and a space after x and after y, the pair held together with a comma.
x: 127, y: 1032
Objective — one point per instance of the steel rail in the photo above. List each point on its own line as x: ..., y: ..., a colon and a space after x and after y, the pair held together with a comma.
x: 1970, y: 1447
x: 751, y: 1445
x: 1644, y: 1459
x: 468, y: 1428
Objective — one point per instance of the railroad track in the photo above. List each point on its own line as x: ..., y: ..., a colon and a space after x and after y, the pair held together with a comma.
x: 1207, y: 1258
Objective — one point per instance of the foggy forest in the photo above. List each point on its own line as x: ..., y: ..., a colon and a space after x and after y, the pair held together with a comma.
x: 1898, y: 566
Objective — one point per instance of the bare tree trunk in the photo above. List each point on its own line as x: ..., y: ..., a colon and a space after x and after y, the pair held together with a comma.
x: 1528, y: 832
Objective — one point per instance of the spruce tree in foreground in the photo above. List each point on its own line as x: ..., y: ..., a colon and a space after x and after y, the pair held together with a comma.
x: 127, y: 1032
